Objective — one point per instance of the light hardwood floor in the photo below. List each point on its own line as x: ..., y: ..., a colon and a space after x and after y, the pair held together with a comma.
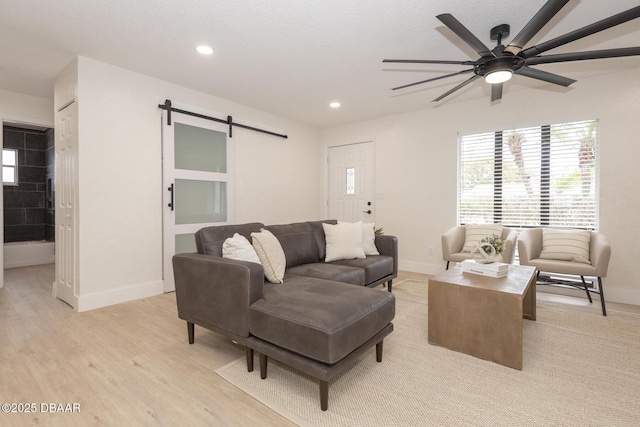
x: 128, y: 364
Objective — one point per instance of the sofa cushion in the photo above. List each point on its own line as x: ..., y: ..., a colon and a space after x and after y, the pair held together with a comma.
x: 566, y: 245
x: 297, y: 242
x: 563, y: 267
x: 344, y: 241
x: 375, y: 266
x: 318, y: 234
x: 330, y: 271
x: 209, y: 240
x: 339, y: 319
x: 271, y: 255
x: 238, y: 247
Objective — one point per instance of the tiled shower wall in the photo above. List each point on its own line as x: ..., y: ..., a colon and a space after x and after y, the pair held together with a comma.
x: 29, y: 206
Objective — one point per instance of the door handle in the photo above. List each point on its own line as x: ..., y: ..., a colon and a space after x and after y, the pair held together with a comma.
x: 367, y: 212
x: 171, y: 191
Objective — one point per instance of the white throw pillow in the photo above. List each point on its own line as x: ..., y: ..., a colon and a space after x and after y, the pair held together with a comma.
x: 344, y: 241
x: 271, y: 255
x: 368, y: 237
x: 239, y: 248
x: 566, y: 245
x: 476, y: 232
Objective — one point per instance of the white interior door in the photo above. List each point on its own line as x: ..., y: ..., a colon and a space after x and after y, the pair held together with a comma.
x: 197, y: 183
x: 66, y: 144
x: 351, y: 182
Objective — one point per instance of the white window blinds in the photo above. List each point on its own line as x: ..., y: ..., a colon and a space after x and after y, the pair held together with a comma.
x: 539, y: 176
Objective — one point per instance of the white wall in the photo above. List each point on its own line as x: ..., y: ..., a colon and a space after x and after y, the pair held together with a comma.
x: 280, y: 181
x: 15, y: 107
x: 416, y: 166
x: 120, y: 186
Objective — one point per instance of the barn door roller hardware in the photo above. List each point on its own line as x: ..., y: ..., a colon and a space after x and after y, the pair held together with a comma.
x: 229, y: 120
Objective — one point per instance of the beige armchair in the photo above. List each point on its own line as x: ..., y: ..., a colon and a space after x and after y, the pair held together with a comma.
x: 530, y: 244
x: 453, y: 244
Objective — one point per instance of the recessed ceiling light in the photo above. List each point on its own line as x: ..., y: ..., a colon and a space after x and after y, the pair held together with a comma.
x: 205, y: 50
x: 334, y: 105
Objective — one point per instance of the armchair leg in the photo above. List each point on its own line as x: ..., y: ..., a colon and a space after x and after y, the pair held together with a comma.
x: 585, y: 289
x: 447, y: 266
x: 390, y: 283
x: 604, y: 309
x: 575, y: 284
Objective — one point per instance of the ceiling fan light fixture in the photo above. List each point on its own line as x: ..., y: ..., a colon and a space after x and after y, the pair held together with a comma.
x: 498, y: 65
x: 204, y: 50
x: 498, y: 76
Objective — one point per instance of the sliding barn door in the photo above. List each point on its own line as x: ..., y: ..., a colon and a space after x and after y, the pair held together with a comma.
x: 197, y: 183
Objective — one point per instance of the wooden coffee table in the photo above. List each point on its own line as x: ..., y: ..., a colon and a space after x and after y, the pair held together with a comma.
x: 480, y: 315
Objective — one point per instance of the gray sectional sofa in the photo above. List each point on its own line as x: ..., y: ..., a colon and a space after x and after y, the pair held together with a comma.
x: 318, y: 320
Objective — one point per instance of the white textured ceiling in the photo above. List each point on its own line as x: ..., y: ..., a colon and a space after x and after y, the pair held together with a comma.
x: 292, y: 57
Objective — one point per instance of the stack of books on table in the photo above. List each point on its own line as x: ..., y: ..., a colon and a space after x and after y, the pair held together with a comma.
x: 494, y: 269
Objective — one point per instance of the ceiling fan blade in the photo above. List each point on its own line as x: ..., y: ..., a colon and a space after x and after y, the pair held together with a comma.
x: 435, y: 78
x: 545, y: 76
x: 463, y: 32
x: 609, y: 22
x: 581, y: 56
x: 536, y: 23
x: 496, y: 91
x: 428, y: 61
x: 460, y: 86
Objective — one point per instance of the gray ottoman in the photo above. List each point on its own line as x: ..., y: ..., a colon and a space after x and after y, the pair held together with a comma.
x: 342, y: 322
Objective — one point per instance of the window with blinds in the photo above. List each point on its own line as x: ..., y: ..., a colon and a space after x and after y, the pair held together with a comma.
x: 9, y: 166
x: 538, y: 176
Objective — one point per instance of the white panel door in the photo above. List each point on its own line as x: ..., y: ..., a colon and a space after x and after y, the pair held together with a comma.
x: 351, y: 182
x: 66, y: 147
x: 198, y: 185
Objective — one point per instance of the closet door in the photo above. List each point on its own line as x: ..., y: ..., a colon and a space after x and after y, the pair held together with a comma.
x: 66, y: 148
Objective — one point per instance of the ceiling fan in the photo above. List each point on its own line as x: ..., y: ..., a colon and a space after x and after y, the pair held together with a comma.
x: 500, y: 63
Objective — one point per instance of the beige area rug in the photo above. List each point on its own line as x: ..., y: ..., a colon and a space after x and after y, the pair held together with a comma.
x: 580, y: 369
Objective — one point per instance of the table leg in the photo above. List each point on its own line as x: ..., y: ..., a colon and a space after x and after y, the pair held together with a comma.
x: 529, y: 301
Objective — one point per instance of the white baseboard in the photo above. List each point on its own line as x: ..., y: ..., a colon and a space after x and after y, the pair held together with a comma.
x: 420, y: 267
x: 117, y: 296
x: 623, y: 296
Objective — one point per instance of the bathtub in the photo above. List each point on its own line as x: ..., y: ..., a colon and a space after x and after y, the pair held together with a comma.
x: 22, y: 254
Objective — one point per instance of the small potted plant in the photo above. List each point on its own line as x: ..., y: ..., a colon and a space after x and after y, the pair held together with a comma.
x: 495, y: 241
